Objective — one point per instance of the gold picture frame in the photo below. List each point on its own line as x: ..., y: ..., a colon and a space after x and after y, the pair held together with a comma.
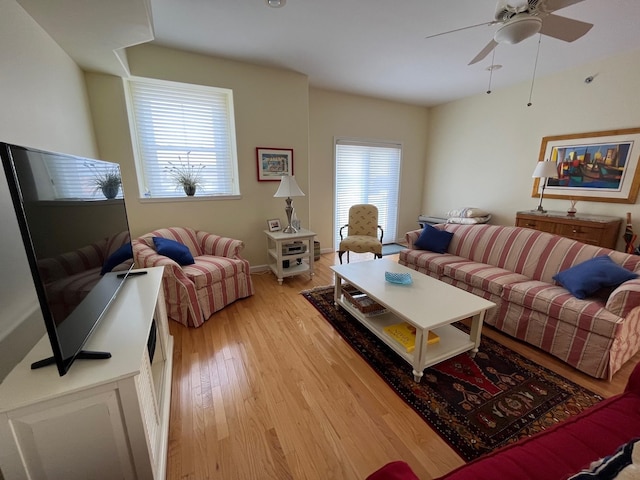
x: 595, y: 166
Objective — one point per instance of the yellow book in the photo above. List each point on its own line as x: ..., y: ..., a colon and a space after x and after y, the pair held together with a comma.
x: 405, y: 334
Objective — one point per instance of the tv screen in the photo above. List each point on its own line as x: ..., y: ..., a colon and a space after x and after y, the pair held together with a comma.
x: 73, y: 223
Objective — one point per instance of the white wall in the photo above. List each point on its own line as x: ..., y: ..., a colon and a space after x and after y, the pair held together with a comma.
x: 483, y: 149
x: 44, y: 104
x: 334, y: 114
x: 271, y: 110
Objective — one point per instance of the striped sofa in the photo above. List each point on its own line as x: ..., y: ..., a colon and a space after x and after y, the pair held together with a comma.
x: 193, y: 293
x: 513, y: 267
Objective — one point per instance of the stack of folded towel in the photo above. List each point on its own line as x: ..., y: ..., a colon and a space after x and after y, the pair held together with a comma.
x: 468, y: 216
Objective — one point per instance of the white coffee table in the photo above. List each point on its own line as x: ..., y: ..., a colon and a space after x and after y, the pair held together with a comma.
x: 427, y: 304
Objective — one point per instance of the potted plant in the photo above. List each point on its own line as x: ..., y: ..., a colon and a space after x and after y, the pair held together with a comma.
x: 186, y: 175
x: 108, y: 181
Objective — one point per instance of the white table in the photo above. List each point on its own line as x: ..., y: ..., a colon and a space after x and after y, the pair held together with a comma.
x: 427, y: 304
x: 275, y: 243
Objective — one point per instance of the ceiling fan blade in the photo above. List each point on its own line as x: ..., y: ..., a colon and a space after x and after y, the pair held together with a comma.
x: 484, y: 52
x: 553, y: 5
x: 460, y: 29
x: 563, y: 28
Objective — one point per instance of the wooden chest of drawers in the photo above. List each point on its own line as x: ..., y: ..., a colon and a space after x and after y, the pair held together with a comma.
x: 592, y: 229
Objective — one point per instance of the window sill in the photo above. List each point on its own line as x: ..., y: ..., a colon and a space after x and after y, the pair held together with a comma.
x: 184, y: 198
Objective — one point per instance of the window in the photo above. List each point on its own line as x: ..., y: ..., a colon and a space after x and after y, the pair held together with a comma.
x: 179, y: 126
x: 367, y: 172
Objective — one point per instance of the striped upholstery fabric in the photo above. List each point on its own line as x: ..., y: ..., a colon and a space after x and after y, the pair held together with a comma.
x: 193, y: 293
x: 70, y: 276
x: 361, y: 232
x: 514, y: 267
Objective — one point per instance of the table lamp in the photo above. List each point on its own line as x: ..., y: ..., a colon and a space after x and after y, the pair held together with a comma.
x: 544, y: 170
x: 289, y: 188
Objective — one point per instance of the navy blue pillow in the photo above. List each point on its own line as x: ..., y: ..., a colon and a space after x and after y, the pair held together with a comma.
x: 174, y: 250
x: 433, y: 239
x: 116, y: 258
x: 588, y: 277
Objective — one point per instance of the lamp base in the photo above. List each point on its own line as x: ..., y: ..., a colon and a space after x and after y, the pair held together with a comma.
x: 289, y: 229
x: 539, y: 209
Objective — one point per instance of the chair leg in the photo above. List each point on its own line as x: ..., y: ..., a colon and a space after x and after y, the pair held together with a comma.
x: 377, y: 255
x: 340, y: 252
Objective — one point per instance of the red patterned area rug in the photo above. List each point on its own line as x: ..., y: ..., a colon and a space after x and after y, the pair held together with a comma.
x: 475, y: 404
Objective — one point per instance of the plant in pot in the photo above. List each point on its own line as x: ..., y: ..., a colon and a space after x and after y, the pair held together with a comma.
x: 108, y: 181
x: 186, y: 175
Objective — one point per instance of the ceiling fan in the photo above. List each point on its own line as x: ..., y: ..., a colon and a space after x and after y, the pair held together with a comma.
x: 521, y: 19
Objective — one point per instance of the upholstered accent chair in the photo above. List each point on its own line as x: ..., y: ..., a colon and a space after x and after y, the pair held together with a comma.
x: 362, y: 231
x: 217, y: 277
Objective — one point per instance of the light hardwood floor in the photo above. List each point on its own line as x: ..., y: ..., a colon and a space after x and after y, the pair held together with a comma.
x: 266, y: 389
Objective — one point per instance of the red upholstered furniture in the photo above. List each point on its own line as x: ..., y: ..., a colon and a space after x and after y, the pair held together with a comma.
x: 556, y: 453
x: 192, y: 293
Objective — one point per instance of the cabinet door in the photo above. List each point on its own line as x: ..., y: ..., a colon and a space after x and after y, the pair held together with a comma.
x: 80, y: 439
x: 584, y: 234
x: 535, y: 224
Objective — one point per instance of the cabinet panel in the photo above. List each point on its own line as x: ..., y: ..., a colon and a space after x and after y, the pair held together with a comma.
x: 601, y: 231
x: 84, y: 438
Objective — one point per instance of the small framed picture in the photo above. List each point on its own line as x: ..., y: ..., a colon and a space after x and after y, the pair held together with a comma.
x: 273, y: 224
x: 273, y: 163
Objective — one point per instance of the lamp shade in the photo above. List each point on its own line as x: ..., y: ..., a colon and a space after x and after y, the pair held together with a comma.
x: 546, y: 170
x: 288, y: 187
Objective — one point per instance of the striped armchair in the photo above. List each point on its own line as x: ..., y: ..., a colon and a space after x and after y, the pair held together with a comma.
x: 193, y: 293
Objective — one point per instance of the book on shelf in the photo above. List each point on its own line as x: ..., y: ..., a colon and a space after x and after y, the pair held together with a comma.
x: 405, y: 334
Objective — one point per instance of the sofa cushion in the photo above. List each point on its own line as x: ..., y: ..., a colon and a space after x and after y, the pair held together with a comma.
x: 174, y: 250
x: 555, y: 302
x: 486, y: 277
x: 423, y: 260
x: 588, y: 277
x: 208, y: 269
x: 122, y: 254
x: 433, y: 239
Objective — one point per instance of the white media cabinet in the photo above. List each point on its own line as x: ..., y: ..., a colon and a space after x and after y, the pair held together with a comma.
x: 105, y: 419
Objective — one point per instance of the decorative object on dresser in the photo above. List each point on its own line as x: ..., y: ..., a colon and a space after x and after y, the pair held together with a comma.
x: 598, y: 230
x: 289, y: 188
x: 595, y: 166
x: 544, y: 170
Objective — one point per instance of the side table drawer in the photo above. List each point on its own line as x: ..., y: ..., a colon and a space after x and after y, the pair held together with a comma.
x: 539, y: 225
x: 591, y: 235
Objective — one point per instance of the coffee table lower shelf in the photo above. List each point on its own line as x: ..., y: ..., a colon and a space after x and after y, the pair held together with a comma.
x: 452, y: 341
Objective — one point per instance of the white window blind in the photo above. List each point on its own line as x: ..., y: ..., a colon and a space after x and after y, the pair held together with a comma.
x: 185, y: 127
x: 70, y: 178
x: 367, y: 172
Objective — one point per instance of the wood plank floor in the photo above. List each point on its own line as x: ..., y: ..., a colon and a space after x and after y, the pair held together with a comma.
x: 265, y: 389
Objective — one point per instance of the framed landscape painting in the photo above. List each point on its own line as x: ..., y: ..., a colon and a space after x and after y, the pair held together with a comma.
x: 596, y: 166
x: 273, y: 163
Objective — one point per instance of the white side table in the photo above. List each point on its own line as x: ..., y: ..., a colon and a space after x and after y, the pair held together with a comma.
x: 298, y: 262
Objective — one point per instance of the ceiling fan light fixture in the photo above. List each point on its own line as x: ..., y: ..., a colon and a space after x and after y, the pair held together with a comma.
x: 276, y: 3
x: 518, y: 29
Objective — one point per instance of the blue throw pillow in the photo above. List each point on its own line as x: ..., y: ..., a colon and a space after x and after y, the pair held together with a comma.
x: 588, y: 277
x: 174, y: 250
x: 433, y: 239
x: 116, y: 258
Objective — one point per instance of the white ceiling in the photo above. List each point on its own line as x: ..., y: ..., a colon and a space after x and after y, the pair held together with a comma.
x: 369, y: 47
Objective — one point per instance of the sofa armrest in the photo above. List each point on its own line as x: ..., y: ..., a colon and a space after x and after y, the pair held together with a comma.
x: 146, y: 257
x: 212, y: 244
x: 411, y: 238
x: 624, y: 298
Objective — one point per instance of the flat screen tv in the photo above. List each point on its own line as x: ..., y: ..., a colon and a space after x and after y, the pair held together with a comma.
x: 76, y: 237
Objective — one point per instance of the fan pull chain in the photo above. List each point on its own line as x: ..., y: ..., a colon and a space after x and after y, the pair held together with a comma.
x: 491, y: 68
x: 535, y: 66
